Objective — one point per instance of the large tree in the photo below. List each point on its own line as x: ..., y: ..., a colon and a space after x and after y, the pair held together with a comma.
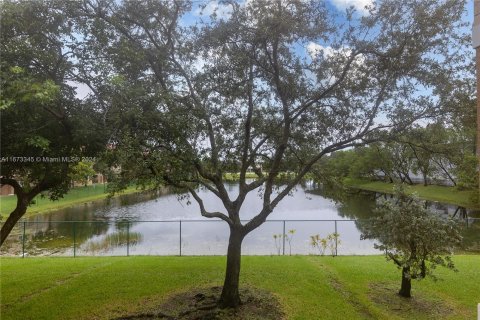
x: 273, y: 83
x: 44, y: 127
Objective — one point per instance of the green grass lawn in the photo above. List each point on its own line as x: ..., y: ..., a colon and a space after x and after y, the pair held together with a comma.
x: 464, y: 198
x: 74, y: 196
x: 308, y: 287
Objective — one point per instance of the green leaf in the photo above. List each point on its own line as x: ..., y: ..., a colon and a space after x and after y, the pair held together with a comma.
x: 38, y: 141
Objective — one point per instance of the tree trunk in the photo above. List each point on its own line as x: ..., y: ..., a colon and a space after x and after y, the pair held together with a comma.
x: 449, y: 176
x: 15, y: 215
x: 230, y: 297
x: 406, y: 288
x: 410, y: 182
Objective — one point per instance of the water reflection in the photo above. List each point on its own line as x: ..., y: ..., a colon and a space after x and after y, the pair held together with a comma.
x: 360, y: 205
x: 148, y: 223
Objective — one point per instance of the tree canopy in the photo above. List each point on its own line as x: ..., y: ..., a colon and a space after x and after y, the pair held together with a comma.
x: 44, y: 127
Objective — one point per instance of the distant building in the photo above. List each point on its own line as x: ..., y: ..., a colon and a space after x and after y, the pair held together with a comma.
x: 6, y: 190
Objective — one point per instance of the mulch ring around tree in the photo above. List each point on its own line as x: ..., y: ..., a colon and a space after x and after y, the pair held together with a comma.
x: 386, y: 295
x: 201, y: 304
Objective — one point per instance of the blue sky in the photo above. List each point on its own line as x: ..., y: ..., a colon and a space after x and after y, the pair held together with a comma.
x: 221, y: 10
x: 339, y: 5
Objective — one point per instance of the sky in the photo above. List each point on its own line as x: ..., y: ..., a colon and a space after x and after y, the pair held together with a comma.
x: 222, y: 10
x: 340, y: 5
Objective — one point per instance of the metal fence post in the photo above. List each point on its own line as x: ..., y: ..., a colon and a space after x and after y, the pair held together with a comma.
x: 23, y: 240
x: 284, y: 234
x: 74, y: 240
x: 180, y: 237
x: 128, y: 238
x: 336, y: 239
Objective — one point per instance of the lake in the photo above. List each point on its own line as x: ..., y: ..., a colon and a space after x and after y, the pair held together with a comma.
x: 161, y: 224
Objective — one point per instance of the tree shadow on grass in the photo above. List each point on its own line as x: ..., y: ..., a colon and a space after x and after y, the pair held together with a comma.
x: 201, y: 304
x: 385, y: 296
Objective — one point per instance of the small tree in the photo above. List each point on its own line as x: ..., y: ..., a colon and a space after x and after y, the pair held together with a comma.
x: 331, y: 241
x: 318, y: 242
x: 413, y: 238
x: 82, y: 172
x: 289, y: 238
x: 278, y: 242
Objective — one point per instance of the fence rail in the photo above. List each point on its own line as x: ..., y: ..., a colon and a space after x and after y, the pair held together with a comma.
x: 124, y: 237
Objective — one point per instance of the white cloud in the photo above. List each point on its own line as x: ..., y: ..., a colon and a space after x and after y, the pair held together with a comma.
x: 357, y: 4
x: 81, y: 89
x: 338, y: 57
x: 213, y: 7
x: 315, y: 49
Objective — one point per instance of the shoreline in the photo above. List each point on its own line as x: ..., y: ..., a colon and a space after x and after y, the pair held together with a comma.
x: 48, y: 205
x: 444, y: 194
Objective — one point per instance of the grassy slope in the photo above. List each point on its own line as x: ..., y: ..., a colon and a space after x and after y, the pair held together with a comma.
x: 430, y: 192
x: 74, y: 196
x: 234, y: 177
x: 308, y: 287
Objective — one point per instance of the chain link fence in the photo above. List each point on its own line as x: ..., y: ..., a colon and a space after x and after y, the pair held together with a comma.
x: 196, y: 237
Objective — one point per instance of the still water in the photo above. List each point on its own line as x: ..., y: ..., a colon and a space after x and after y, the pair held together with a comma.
x: 149, y: 224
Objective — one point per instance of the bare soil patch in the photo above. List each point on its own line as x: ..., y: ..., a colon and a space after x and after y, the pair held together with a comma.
x: 201, y: 304
x: 386, y: 295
